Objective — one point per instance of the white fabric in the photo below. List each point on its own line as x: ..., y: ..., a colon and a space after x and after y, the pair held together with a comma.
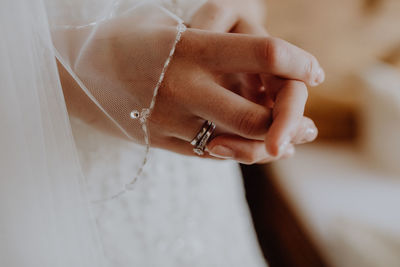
x: 182, y: 211
x: 118, y: 53
x: 44, y: 217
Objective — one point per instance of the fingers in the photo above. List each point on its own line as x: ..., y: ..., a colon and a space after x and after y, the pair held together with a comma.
x: 287, y: 114
x: 306, y: 132
x: 253, y: 92
x: 178, y: 146
x: 235, y: 53
x: 242, y: 150
x: 249, y: 151
x: 186, y: 128
x: 227, y: 146
x: 229, y: 111
x: 214, y: 17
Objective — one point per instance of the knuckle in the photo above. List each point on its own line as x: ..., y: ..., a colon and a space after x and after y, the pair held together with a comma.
x: 246, y: 123
x: 274, y: 51
x: 251, y: 124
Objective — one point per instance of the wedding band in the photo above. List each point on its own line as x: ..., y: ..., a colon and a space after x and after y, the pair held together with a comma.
x: 200, y: 134
x: 202, y: 138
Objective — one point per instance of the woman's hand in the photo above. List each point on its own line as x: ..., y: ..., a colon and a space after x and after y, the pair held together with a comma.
x: 191, y: 94
x: 117, y: 64
x: 285, y: 97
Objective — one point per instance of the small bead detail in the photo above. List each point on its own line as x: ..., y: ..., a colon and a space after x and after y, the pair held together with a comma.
x: 135, y: 114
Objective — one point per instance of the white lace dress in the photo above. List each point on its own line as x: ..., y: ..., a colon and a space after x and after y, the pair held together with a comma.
x: 183, y: 211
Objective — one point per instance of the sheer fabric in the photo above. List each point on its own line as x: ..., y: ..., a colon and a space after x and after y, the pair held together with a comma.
x: 45, y: 219
x: 118, y: 53
x: 45, y: 216
x: 186, y: 212
x: 182, y: 212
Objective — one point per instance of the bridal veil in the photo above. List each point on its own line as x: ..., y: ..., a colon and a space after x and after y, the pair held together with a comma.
x: 45, y: 220
x: 45, y: 216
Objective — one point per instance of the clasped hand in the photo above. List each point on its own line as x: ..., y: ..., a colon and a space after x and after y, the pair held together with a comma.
x: 225, y: 69
x: 253, y: 86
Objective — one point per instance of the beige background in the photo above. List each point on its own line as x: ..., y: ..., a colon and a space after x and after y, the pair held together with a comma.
x: 347, y: 36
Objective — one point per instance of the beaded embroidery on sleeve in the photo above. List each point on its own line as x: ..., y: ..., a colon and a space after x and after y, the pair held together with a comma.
x: 146, y: 112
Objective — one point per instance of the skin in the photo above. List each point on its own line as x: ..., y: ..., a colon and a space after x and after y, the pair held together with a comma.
x: 285, y: 97
x: 257, y: 122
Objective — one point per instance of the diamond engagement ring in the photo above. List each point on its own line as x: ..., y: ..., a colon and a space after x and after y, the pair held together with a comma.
x: 202, y: 137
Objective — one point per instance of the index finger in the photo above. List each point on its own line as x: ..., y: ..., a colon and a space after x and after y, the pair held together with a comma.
x: 234, y: 53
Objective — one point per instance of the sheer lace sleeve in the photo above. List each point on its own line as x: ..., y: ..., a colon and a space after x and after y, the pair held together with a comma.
x: 117, y: 52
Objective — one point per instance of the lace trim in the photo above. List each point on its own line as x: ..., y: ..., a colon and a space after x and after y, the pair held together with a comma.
x: 145, y: 113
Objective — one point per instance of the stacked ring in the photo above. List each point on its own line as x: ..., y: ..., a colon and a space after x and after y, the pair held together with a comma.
x: 202, y: 137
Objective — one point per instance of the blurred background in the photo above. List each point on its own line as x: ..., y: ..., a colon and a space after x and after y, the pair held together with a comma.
x: 337, y: 202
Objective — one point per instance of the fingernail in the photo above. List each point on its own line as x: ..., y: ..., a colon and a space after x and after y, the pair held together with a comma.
x: 283, y: 146
x: 222, y: 152
x: 320, y: 76
x: 309, y: 135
